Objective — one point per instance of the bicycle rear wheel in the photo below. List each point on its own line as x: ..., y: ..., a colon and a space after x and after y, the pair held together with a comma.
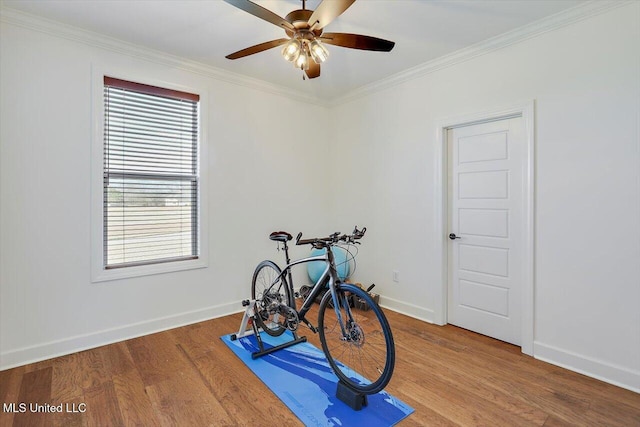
x: 270, y: 294
x: 363, y: 356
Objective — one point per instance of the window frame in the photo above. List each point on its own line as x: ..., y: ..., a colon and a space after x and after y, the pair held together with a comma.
x: 99, y: 271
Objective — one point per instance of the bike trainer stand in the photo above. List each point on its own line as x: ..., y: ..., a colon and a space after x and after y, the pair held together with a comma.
x: 249, y: 318
x: 354, y: 399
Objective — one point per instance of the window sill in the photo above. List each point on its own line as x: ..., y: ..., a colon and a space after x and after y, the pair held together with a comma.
x: 103, y: 275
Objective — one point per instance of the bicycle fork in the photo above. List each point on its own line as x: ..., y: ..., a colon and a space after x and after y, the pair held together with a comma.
x: 345, y: 327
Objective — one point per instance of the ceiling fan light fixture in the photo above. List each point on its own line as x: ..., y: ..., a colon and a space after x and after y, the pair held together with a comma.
x: 292, y: 49
x: 304, y: 30
x: 319, y: 53
x: 302, y: 61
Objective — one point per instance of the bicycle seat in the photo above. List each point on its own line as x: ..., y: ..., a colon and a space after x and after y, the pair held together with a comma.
x: 280, y: 236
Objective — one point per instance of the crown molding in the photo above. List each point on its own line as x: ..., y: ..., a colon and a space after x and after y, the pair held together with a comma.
x: 93, y: 39
x: 553, y: 22
x: 550, y: 23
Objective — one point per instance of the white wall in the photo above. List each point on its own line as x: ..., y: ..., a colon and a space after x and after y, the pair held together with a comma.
x: 585, y: 80
x: 258, y: 182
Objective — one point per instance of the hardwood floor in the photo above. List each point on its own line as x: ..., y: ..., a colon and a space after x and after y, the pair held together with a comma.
x: 187, y: 376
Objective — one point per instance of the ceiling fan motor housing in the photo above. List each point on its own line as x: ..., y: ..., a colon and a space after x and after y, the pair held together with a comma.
x: 300, y: 21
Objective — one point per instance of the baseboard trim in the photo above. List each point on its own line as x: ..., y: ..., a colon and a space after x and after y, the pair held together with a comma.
x: 22, y: 356
x: 616, y: 375
x: 612, y: 374
x: 407, y: 309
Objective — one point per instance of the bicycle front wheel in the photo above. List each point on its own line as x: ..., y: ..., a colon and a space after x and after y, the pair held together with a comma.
x: 270, y: 291
x: 358, y: 344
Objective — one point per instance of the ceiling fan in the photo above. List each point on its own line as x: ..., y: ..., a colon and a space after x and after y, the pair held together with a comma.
x: 304, y: 46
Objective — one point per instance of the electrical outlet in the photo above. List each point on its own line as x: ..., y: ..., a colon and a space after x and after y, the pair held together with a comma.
x: 396, y: 276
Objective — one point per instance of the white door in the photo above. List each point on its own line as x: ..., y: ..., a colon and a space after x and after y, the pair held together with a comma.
x: 485, y: 195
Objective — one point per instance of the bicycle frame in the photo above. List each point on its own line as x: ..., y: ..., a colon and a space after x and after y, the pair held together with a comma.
x: 329, y: 274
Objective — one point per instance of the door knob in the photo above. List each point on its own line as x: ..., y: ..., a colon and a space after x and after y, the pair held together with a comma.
x: 453, y: 236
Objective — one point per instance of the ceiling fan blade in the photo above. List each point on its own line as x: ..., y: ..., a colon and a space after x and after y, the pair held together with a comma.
x: 357, y: 41
x: 257, y: 48
x: 261, y: 12
x: 327, y: 11
x: 314, y: 70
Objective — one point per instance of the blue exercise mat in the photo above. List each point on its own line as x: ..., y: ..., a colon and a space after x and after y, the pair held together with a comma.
x: 302, y: 378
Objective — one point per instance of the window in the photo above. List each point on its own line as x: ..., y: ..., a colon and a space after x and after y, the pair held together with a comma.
x: 151, y: 179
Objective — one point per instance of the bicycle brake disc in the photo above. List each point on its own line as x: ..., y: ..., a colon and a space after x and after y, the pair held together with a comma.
x: 356, y: 335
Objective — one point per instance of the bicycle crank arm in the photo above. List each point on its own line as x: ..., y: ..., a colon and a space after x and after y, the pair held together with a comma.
x: 313, y: 328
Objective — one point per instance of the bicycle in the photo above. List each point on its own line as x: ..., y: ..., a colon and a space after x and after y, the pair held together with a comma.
x: 359, y: 347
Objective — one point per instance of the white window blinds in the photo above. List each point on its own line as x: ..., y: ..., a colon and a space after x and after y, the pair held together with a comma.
x: 150, y: 174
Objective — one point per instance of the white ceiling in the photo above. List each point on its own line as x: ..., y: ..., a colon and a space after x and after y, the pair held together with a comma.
x: 206, y: 30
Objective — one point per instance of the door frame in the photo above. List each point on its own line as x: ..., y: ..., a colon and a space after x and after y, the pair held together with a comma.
x: 526, y: 110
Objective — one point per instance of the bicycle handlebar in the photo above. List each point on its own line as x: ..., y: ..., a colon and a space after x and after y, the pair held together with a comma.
x: 334, y: 238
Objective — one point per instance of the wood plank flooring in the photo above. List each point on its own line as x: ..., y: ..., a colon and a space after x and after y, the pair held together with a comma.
x: 188, y: 377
